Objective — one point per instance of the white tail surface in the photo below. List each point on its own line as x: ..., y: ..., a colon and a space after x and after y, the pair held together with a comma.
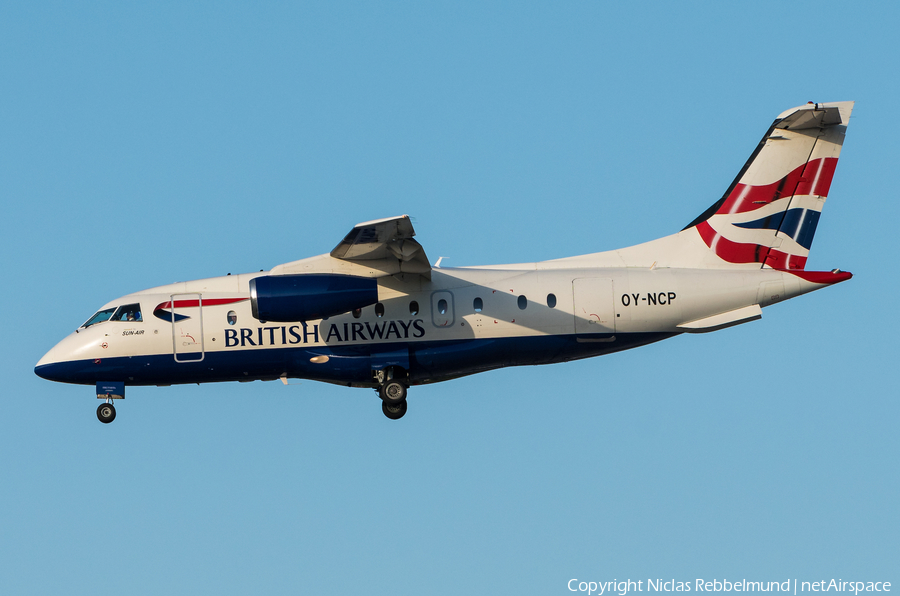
x: 768, y: 216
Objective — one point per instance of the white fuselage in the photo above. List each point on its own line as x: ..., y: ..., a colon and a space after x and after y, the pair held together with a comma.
x: 463, y: 320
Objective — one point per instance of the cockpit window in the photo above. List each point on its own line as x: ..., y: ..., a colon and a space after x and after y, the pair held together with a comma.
x: 101, y: 316
x: 129, y: 312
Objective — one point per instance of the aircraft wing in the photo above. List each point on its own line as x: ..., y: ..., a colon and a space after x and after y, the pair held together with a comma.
x: 385, y: 240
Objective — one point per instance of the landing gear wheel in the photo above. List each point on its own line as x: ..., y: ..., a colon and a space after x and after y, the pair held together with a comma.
x: 393, y: 392
x: 394, y: 411
x: 106, y: 413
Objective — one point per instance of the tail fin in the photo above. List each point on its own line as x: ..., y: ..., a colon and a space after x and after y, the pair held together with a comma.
x: 769, y: 213
x: 767, y: 217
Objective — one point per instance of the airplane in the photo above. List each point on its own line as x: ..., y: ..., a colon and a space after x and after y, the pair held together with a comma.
x: 374, y: 313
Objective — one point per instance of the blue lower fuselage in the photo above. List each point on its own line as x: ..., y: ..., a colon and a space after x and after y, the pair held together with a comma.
x: 347, y: 365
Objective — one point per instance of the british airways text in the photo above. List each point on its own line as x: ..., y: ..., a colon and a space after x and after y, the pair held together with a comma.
x: 305, y: 333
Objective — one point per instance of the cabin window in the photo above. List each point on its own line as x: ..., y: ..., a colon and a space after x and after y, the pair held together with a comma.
x: 129, y: 312
x: 442, y: 308
x: 478, y: 304
x: 551, y: 300
x: 413, y: 308
x: 357, y: 313
x: 232, y: 317
x: 379, y: 310
x: 99, y: 317
x: 523, y: 302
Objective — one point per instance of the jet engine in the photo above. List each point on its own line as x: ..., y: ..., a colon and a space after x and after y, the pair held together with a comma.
x: 291, y: 298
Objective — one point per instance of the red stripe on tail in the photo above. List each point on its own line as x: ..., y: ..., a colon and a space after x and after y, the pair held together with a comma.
x: 812, y: 178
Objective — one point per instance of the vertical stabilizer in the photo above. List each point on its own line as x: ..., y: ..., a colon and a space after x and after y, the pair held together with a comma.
x: 768, y: 216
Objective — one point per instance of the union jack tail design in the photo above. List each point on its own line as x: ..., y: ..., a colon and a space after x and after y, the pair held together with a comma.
x: 770, y: 212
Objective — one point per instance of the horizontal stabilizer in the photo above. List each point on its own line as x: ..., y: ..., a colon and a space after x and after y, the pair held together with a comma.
x: 723, y: 320
x: 810, y: 116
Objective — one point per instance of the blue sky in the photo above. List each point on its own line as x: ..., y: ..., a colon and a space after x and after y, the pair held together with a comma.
x: 147, y: 144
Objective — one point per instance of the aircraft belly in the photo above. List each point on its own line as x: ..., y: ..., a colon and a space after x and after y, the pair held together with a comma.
x: 346, y: 365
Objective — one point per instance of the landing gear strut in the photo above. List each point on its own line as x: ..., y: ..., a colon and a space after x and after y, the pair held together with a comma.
x: 106, y: 413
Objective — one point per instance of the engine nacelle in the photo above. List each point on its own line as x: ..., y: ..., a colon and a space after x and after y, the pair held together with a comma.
x: 292, y: 298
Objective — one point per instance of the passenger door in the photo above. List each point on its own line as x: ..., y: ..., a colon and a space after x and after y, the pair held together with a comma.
x: 187, y: 327
x: 595, y: 310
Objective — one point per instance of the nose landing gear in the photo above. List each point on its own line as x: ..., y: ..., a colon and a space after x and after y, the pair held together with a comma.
x: 106, y: 413
x: 108, y: 391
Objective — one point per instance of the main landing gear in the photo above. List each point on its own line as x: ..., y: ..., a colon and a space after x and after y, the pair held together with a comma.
x: 106, y: 413
x: 392, y: 391
x: 394, y: 411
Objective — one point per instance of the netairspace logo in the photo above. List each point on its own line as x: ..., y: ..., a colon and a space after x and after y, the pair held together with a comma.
x: 622, y: 588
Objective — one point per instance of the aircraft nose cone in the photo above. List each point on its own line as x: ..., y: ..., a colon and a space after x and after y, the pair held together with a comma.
x: 51, y: 372
x: 60, y: 364
x: 53, y: 367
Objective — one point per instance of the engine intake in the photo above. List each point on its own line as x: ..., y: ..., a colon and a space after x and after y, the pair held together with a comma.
x: 291, y: 298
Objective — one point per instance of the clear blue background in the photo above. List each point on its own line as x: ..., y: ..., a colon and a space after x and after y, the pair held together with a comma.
x: 140, y: 145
